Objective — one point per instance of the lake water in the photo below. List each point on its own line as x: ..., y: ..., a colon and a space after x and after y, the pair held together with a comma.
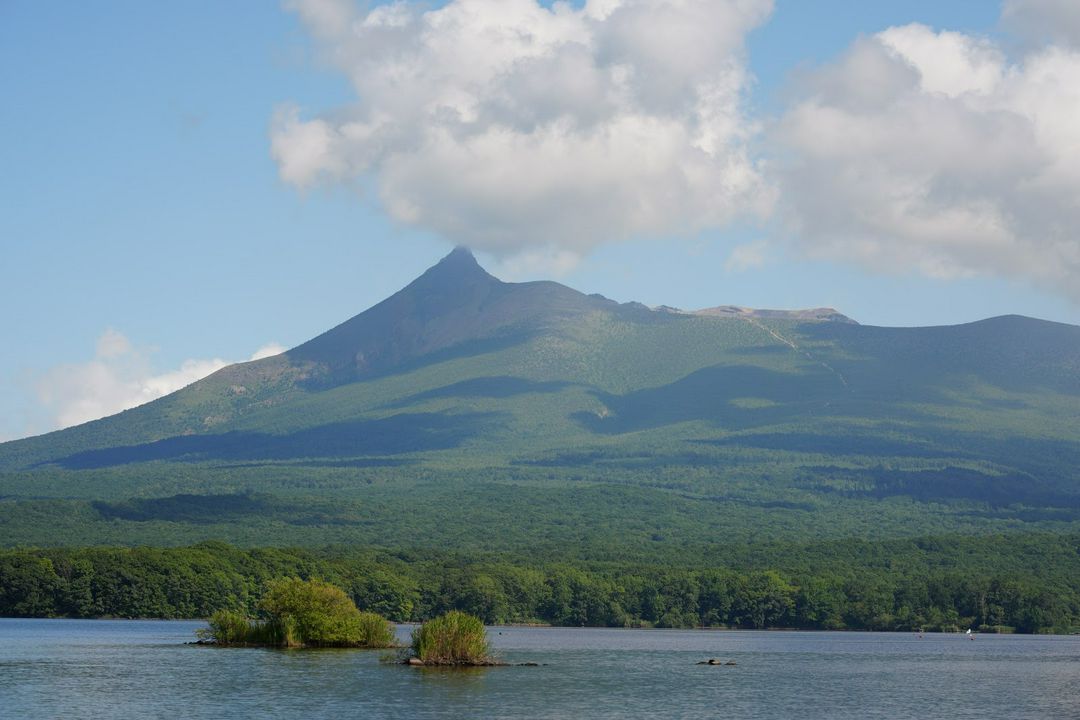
x: 143, y: 669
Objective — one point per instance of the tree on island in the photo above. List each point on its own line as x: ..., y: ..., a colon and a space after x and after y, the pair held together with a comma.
x: 301, y: 613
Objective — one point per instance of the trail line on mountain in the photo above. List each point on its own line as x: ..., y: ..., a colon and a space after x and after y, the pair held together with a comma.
x: 795, y: 346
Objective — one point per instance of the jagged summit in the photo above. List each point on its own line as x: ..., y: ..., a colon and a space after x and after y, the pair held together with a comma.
x: 460, y: 253
x: 453, y: 303
x: 459, y: 267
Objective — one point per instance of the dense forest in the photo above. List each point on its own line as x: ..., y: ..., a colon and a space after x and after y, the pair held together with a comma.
x: 1023, y: 583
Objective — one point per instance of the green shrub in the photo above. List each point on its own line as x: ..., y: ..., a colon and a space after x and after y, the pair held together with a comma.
x: 310, y: 612
x: 455, y: 638
x: 302, y: 613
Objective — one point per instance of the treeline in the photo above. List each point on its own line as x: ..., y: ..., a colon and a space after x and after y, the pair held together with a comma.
x: 852, y: 585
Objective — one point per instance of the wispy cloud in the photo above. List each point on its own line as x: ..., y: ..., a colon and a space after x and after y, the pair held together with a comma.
x: 120, y: 376
x: 268, y: 350
x: 536, y: 132
x: 748, y: 256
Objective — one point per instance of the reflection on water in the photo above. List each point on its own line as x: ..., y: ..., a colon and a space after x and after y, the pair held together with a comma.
x: 140, y: 669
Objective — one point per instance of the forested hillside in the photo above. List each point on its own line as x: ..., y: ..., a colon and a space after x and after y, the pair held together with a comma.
x: 465, y: 412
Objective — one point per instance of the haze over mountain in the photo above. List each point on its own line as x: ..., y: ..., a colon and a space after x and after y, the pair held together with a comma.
x: 464, y: 403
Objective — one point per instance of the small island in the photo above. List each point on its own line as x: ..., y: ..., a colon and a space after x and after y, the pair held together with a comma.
x: 455, y: 639
x: 300, y: 614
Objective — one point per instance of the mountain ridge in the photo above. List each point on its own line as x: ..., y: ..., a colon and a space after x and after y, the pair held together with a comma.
x: 461, y: 387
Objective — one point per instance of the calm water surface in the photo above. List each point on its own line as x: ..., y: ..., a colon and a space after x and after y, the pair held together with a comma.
x: 143, y: 669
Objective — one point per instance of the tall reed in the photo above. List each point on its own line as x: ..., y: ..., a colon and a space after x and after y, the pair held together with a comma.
x: 455, y: 638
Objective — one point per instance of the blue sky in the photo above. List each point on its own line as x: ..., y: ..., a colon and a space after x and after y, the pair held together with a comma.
x: 147, y: 224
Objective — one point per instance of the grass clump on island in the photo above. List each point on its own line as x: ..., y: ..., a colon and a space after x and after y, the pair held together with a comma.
x: 455, y: 638
x: 301, y: 613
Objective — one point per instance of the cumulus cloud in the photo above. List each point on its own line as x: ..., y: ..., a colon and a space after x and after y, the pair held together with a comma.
x: 934, y: 151
x: 120, y: 376
x: 536, y: 133
x: 523, y: 130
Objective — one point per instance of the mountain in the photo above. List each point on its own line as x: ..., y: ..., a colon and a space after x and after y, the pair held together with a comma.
x: 470, y: 412
x: 455, y: 305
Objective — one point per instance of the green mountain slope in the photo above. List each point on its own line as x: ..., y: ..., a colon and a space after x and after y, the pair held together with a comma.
x: 470, y: 412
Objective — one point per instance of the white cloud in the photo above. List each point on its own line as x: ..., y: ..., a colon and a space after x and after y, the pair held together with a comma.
x: 268, y: 350
x: 931, y: 151
x: 949, y: 63
x: 536, y: 133
x: 527, y: 131
x: 120, y: 376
